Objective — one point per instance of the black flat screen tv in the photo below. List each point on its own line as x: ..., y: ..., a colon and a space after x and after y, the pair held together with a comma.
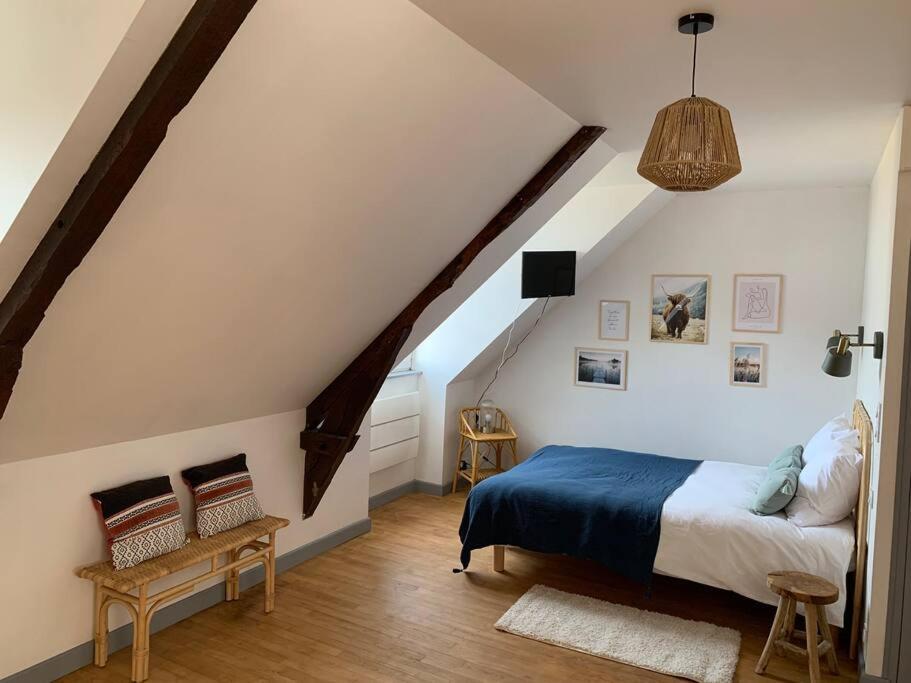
x: 548, y: 273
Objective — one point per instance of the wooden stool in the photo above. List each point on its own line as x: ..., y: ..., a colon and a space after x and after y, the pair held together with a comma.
x: 472, y: 437
x: 813, y: 592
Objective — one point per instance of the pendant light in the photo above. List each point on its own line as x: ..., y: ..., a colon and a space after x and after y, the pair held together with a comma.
x: 692, y: 147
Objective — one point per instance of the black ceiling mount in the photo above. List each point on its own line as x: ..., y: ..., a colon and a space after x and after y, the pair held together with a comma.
x: 696, y: 23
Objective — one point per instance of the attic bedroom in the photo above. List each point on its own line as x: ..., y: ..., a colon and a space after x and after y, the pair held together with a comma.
x: 402, y: 340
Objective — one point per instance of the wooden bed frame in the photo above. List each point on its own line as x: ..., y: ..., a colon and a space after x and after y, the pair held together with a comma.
x: 864, y: 426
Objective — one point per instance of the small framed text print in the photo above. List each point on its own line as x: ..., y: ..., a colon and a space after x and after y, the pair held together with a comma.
x: 613, y: 320
x: 757, y: 303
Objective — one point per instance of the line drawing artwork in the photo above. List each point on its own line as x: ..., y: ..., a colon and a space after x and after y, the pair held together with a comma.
x: 758, y: 304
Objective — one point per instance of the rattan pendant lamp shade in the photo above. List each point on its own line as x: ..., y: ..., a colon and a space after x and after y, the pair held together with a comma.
x: 692, y: 147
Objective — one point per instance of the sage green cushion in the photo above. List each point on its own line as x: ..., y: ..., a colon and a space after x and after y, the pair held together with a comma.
x: 780, y: 483
x: 789, y: 457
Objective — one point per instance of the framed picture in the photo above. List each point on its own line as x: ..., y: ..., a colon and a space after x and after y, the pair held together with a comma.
x: 748, y: 364
x: 613, y: 320
x: 680, y: 308
x: 757, y: 303
x: 600, y: 368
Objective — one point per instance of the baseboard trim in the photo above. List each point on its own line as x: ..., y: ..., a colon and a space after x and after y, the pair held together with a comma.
x: 389, y: 495
x: 413, y: 486
x: 430, y: 488
x: 81, y: 655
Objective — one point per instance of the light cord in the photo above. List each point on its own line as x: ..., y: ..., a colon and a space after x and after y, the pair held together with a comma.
x: 504, y: 359
x: 695, y: 43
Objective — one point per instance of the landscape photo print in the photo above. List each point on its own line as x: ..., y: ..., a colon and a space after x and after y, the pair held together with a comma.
x: 748, y: 364
x: 601, y: 368
x: 680, y: 307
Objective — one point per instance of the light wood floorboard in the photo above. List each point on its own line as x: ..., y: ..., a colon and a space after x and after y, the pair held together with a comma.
x: 387, y: 607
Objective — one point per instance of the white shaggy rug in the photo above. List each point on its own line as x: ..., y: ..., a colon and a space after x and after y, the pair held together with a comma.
x: 658, y: 642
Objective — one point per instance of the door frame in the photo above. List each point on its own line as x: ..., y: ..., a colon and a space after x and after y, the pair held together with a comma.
x: 897, y: 646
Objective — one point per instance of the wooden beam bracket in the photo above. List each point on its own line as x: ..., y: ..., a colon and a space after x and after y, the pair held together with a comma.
x: 317, y: 442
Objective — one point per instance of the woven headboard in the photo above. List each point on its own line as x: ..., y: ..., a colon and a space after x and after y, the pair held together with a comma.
x: 864, y: 426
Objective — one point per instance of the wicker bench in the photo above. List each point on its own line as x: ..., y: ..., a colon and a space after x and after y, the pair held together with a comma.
x: 118, y: 586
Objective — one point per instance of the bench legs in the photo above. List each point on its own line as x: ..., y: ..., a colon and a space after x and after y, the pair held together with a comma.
x: 141, y: 635
x: 269, y: 566
x: 141, y: 615
x: 101, y: 628
x: 232, y: 577
x: 142, y: 606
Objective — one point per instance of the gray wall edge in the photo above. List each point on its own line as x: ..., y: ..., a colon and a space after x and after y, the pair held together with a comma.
x: 413, y: 486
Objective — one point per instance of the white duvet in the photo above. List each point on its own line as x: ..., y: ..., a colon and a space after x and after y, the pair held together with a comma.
x: 709, y: 535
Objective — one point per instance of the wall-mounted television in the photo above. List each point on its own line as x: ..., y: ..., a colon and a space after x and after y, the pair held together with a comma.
x: 548, y: 273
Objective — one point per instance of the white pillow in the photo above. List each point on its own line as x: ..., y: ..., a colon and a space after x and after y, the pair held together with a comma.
x: 836, y: 431
x: 828, y: 484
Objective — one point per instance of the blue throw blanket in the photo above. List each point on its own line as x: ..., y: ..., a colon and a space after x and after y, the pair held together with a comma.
x: 596, y: 503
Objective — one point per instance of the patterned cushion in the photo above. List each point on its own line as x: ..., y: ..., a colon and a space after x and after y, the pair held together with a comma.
x: 142, y: 520
x: 224, y: 495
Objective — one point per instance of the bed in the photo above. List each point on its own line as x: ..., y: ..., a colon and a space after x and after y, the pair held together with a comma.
x: 705, y: 534
x: 708, y: 535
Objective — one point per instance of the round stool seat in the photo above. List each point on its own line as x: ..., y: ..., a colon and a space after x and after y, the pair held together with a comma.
x: 802, y: 587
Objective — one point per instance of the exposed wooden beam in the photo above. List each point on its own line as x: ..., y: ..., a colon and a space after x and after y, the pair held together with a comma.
x: 334, y: 417
x: 183, y: 66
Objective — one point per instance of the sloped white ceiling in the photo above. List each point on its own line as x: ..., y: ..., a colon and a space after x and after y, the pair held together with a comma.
x: 813, y: 86
x: 51, y: 54
x: 115, y: 84
x: 337, y: 157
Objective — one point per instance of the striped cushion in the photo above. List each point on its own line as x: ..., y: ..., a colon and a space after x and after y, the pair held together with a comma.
x: 142, y: 520
x: 224, y: 495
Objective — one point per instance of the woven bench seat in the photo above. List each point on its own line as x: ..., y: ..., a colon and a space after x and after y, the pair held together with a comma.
x: 113, y: 586
x: 196, y: 551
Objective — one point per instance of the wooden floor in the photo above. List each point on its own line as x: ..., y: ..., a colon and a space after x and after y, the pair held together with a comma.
x: 387, y: 607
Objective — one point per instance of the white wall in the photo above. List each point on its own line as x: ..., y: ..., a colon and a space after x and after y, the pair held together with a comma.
x: 884, y: 309
x: 592, y: 223
x: 679, y: 400
x: 458, y: 395
x: 50, y: 526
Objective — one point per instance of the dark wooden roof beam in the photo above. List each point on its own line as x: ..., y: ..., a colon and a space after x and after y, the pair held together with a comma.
x: 334, y: 416
x: 198, y: 43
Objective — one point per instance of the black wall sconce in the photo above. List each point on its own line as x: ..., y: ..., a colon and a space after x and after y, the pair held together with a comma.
x: 838, y: 351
